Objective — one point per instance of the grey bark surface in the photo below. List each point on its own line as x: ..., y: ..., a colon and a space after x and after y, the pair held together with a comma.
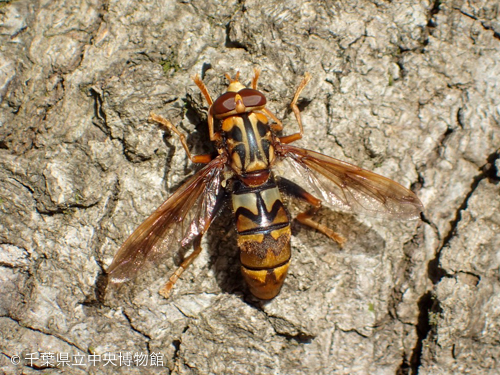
x: 410, y: 90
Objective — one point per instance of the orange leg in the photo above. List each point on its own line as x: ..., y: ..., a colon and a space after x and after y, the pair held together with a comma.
x: 196, y: 78
x: 204, y: 159
x: 166, y: 290
x: 278, y: 125
x: 213, y: 135
x: 306, y: 217
x: 294, y: 137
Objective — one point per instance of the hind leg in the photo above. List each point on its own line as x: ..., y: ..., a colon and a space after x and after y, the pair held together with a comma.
x: 166, y: 290
x: 307, y: 216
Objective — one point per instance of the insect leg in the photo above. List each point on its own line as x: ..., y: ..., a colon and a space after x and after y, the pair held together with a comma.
x: 306, y: 217
x: 294, y: 137
x: 165, y: 291
x: 213, y: 135
x: 202, y: 88
x: 220, y: 198
x: 204, y: 159
x: 278, y: 125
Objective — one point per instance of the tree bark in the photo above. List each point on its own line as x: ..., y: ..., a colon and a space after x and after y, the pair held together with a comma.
x: 409, y: 90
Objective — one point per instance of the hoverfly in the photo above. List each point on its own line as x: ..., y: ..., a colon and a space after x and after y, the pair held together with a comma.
x: 249, y: 150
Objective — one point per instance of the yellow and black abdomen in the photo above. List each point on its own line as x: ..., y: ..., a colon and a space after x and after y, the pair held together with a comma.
x: 263, y: 227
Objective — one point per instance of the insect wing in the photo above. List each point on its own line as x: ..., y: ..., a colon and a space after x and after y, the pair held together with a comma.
x: 184, y: 215
x: 347, y: 187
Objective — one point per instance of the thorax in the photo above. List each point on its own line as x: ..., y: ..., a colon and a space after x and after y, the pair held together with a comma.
x: 249, y: 143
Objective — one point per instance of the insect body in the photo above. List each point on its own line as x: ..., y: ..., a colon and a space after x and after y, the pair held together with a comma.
x: 248, y: 152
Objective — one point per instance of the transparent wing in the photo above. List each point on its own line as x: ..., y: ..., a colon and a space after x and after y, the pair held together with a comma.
x: 345, y: 187
x: 184, y: 215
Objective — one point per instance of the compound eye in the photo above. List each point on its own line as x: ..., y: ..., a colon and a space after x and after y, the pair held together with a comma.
x: 252, y: 98
x: 224, y: 103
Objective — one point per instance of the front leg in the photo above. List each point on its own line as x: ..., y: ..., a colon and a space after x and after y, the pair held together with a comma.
x: 295, y: 137
x: 204, y: 159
